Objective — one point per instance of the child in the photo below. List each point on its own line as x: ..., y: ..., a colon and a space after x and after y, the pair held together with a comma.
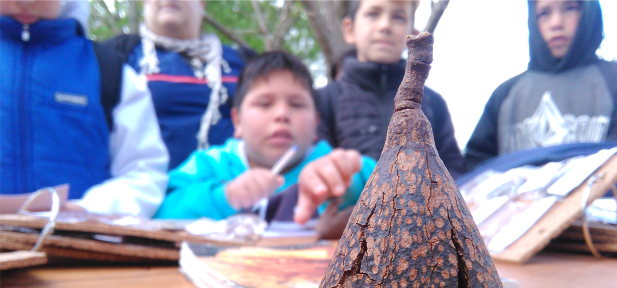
x: 273, y: 109
x: 356, y: 110
x: 567, y: 95
x: 192, y: 76
x: 54, y: 117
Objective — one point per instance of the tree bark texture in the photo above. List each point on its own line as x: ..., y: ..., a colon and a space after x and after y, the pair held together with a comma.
x: 411, y: 227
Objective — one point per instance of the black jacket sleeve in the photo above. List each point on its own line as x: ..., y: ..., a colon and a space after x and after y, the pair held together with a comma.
x: 483, y: 142
x: 436, y: 110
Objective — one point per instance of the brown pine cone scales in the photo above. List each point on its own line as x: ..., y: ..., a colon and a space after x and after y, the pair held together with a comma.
x: 411, y: 227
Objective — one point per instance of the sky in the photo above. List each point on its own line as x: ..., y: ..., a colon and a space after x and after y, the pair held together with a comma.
x: 475, y: 54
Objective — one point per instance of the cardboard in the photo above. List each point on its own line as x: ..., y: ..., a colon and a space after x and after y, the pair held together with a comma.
x: 558, y: 218
x: 20, y: 259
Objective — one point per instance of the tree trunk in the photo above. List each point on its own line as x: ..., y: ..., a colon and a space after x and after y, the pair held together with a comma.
x: 325, y: 18
x: 411, y: 227
x: 133, y: 17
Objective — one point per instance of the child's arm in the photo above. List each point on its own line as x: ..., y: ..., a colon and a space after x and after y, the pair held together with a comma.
x: 325, y: 178
x: 138, y: 156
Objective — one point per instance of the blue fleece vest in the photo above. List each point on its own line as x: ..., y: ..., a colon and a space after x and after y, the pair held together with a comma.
x: 180, y: 100
x: 52, y: 125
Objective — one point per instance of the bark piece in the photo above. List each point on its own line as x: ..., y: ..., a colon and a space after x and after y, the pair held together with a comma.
x: 411, y: 227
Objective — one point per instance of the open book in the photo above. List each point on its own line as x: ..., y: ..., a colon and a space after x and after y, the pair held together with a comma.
x: 272, y: 267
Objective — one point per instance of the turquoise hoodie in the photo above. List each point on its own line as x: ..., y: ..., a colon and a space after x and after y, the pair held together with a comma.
x: 197, y: 187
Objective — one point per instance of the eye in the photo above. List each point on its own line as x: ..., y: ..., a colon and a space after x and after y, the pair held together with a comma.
x: 400, y: 17
x: 298, y: 104
x: 572, y: 6
x: 543, y: 14
x: 263, y: 103
x: 372, y: 14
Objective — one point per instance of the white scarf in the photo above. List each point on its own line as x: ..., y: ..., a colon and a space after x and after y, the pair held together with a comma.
x: 207, y: 51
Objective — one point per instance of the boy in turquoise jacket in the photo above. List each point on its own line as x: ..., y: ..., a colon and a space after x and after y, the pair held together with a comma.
x: 273, y: 109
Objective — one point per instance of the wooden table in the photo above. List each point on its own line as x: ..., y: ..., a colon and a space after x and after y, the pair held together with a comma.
x: 547, y: 269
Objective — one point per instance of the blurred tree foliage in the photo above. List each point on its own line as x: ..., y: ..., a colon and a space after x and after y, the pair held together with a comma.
x: 261, y: 25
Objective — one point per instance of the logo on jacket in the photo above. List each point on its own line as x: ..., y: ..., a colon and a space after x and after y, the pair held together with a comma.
x: 547, y: 127
x: 77, y: 100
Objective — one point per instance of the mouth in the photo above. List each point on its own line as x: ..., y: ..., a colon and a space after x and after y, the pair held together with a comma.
x: 558, y: 41
x: 281, y: 137
x: 383, y: 43
x: 25, y: 18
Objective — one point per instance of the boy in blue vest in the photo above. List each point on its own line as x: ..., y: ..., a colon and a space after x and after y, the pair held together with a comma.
x: 273, y: 109
x: 57, y: 123
x: 192, y: 76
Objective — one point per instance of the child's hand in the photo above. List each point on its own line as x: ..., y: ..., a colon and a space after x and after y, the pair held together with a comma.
x: 251, y: 186
x: 324, y: 178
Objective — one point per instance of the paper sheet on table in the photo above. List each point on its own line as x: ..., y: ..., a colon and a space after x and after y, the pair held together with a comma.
x: 9, y: 204
x: 291, y: 229
x: 575, y: 176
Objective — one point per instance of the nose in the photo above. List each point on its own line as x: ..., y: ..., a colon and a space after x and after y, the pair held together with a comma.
x: 281, y: 112
x: 385, y: 23
x: 556, y: 20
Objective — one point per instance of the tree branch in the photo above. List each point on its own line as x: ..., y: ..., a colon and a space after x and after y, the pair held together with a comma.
x: 436, y: 12
x: 115, y: 17
x: 226, y: 31
x: 317, y: 24
x: 261, y: 23
x: 283, y: 27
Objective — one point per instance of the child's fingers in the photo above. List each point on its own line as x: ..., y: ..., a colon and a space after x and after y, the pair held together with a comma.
x: 348, y: 162
x: 305, y: 207
x: 330, y: 175
x: 312, y: 185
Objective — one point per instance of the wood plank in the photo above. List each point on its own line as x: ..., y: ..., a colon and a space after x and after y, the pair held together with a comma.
x: 107, y: 229
x: 19, y: 259
x: 555, y: 269
x: 93, y: 245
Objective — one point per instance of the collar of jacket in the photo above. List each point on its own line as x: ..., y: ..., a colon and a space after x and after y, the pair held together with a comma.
x: 373, y: 76
x: 44, y: 31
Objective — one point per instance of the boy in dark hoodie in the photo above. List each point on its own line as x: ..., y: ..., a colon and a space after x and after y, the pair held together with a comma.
x: 567, y: 95
x: 356, y: 110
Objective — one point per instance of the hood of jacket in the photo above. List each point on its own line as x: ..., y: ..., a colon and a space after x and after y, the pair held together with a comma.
x: 589, y: 35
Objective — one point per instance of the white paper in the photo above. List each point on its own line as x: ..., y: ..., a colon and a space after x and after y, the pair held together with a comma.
x: 520, y: 224
x: 488, y: 208
x: 575, y: 176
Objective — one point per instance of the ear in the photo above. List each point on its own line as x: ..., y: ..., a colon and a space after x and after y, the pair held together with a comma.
x: 235, y: 119
x: 347, y: 27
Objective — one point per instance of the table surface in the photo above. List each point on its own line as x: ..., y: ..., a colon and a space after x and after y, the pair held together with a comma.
x: 547, y: 269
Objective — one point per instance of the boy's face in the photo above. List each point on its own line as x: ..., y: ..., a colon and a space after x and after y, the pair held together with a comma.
x: 28, y: 12
x: 277, y: 112
x: 378, y: 30
x: 173, y: 18
x: 557, y: 22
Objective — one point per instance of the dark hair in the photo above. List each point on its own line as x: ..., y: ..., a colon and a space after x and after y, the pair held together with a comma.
x: 340, y: 60
x: 353, y: 9
x: 263, y: 65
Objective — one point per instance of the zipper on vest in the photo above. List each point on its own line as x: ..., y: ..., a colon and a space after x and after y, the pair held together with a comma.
x: 25, y: 33
x: 24, y: 121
